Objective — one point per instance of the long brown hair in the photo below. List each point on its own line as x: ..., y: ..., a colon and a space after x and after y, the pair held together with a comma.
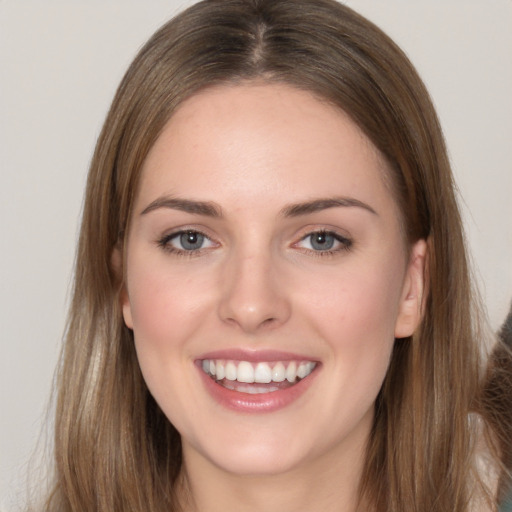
x: 114, y: 448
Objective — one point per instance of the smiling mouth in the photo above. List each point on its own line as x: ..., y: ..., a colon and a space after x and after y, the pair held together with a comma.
x: 257, y: 378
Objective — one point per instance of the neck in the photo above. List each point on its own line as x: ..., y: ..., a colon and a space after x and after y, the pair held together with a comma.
x: 329, y: 483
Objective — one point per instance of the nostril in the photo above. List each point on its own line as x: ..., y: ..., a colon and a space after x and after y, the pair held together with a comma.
x: 251, y: 300
x: 252, y: 323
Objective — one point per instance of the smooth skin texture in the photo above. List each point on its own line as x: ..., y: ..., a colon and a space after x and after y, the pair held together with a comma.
x: 259, y: 281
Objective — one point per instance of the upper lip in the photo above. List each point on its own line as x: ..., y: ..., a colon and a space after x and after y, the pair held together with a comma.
x: 254, y: 356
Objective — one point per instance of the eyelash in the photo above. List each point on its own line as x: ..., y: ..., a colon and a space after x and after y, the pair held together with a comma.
x: 345, y: 244
x: 165, y: 243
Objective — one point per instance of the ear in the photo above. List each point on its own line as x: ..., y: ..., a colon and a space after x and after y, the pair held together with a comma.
x: 414, y: 291
x: 124, y: 300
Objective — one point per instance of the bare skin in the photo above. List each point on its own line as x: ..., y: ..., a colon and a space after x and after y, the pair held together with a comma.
x: 263, y: 226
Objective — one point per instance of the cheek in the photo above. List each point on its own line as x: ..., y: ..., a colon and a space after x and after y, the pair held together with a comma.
x: 355, y: 313
x: 162, y: 302
x: 165, y: 307
x: 366, y: 298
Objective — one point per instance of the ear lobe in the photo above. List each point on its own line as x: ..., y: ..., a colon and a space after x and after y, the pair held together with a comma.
x: 126, y: 307
x: 411, y: 306
x: 124, y: 300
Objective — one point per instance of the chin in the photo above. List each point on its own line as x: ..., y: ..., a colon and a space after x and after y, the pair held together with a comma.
x: 257, y: 456
x: 257, y: 463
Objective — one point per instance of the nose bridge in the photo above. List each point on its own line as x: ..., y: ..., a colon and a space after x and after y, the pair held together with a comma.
x: 253, y: 296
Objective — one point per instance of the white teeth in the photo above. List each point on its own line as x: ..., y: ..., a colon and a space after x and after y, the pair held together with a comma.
x: 262, y: 372
x: 302, y: 370
x: 231, y: 371
x: 278, y: 372
x: 291, y: 372
x: 245, y: 372
x: 221, y: 370
x: 251, y: 390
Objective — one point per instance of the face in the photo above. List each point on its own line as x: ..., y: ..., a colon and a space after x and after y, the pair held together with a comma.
x: 266, y: 279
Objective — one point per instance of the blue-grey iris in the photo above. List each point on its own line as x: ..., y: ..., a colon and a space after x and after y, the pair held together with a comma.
x: 322, y: 241
x: 191, y: 240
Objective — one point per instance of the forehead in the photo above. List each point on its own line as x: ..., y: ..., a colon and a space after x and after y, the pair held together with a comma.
x: 255, y: 139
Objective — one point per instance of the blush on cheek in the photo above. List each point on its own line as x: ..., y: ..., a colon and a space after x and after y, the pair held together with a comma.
x: 362, y: 317
x: 154, y: 304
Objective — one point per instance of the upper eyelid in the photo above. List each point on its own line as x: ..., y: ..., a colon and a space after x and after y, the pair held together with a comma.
x: 327, y: 232
x: 174, y: 234
x: 184, y: 229
x: 166, y: 238
x: 339, y: 237
x: 322, y: 228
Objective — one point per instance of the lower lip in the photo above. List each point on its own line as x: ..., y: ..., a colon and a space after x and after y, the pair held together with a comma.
x: 258, y: 403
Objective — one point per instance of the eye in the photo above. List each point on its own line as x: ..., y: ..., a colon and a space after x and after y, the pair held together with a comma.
x: 324, y: 241
x: 186, y: 241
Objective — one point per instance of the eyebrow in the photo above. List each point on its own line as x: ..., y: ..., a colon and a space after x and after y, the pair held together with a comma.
x: 206, y: 208
x: 296, y: 210
x: 210, y: 209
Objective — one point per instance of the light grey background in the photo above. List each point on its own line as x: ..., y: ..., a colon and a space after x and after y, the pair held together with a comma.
x: 60, y: 62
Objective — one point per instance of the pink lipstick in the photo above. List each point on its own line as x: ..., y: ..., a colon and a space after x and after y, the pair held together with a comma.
x: 256, y: 381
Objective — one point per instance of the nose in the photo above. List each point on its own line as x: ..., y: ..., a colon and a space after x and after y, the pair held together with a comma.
x: 254, y: 297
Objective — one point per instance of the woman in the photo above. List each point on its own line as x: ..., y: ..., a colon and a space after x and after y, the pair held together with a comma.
x: 272, y: 306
